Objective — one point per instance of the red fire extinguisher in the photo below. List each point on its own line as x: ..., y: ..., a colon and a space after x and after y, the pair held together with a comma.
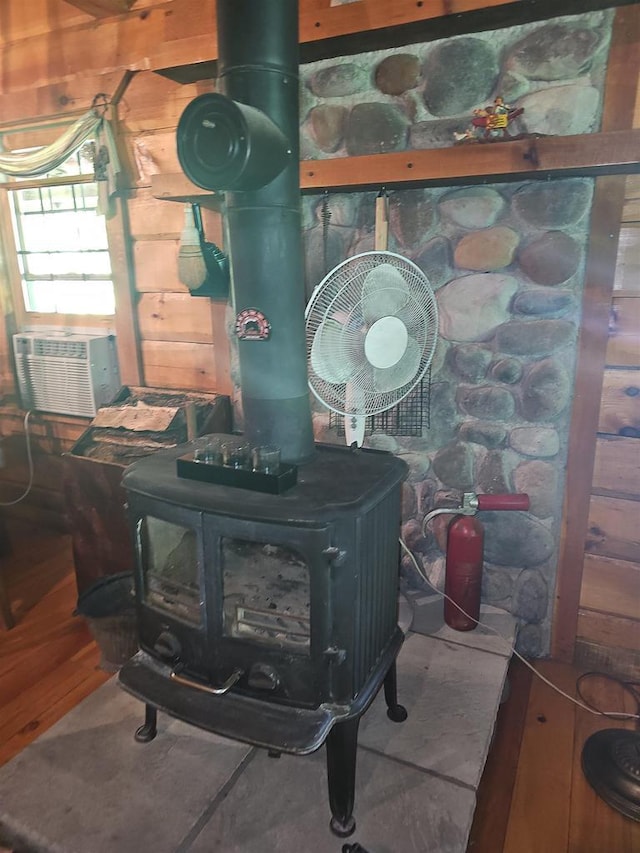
x: 465, y: 547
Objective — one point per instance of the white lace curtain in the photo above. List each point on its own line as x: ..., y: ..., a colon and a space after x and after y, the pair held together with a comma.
x: 34, y: 164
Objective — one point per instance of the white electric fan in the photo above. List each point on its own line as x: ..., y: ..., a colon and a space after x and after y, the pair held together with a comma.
x: 371, y: 326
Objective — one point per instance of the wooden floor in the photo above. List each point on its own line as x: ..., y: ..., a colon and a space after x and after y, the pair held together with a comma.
x: 48, y: 661
x: 533, y: 797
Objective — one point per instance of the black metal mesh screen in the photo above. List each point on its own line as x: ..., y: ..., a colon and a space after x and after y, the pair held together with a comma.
x: 409, y: 417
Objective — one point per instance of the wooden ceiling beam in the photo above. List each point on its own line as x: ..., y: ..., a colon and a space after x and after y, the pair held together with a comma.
x: 102, y: 8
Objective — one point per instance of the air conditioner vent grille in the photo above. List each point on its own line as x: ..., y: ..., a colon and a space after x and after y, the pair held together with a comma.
x: 66, y: 373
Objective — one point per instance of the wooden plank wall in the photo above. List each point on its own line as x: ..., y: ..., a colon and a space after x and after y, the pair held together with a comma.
x: 182, y: 338
x: 609, y: 616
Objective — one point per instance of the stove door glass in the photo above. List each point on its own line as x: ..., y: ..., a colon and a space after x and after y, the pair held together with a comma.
x: 171, y: 568
x: 266, y: 594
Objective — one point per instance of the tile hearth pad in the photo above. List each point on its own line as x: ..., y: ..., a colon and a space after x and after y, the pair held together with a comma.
x: 86, y: 786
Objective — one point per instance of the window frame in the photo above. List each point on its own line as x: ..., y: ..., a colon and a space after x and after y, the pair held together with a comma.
x: 24, y: 317
x: 123, y: 323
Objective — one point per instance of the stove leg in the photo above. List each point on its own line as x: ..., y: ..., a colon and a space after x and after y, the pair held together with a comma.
x: 342, y: 745
x: 149, y: 730
x: 396, y: 713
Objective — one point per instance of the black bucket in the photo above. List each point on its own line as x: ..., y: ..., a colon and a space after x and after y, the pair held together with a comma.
x: 109, y: 608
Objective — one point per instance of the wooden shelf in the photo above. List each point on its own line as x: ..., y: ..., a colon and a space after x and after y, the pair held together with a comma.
x: 177, y: 187
x: 590, y: 154
x: 617, y: 152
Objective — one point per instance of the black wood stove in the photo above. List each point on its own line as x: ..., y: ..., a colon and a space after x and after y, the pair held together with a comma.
x: 271, y: 619
x: 268, y: 618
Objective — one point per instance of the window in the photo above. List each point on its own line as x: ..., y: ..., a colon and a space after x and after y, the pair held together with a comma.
x: 62, y: 251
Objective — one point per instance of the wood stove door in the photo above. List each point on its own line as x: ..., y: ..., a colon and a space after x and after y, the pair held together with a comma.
x: 271, y: 607
x: 170, y: 583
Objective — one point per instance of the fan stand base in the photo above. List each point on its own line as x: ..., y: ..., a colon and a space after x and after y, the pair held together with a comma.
x: 611, y: 765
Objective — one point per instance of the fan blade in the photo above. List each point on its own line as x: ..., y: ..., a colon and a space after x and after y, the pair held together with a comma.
x: 327, y: 357
x: 384, y: 292
x: 394, y: 377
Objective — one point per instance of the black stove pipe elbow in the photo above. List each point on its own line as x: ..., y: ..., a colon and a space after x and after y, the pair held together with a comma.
x: 247, y: 143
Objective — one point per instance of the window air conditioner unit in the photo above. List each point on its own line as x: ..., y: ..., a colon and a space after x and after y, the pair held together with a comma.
x: 66, y: 373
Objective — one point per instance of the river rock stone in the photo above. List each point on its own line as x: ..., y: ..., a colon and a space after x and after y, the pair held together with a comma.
x: 540, y: 302
x: 489, y: 249
x: 336, y: 81
x: 557, y: 204
x: 473, y: 306
x: 326, y: 126
x: 530, y: 596
x: 473, y: 207
x: 444, y: 416
x: 409, y: 503
x: 539, y: 480
x: 397, y: 73
x: 487, y: 401
x: 419, y: 465
x: 546, y: 391
x: 381, y: 441
x: 435, y: 261
x: 454, y: 464
x: 337, y: 242
x: 452, y: 61
x: 535, y: 441
x: 535, y: 337
x: 435, y: 134
x: 439, y: 356
x: 561, y: 110
x: 507, y: 370
x: 373, y: 128
x: 470, y: 361
x: 557, y: 51
x: 425, y: 492
x: 497, y: 585
x: 530, y: 641
x: 516, y: 539
x: 412, y: 536
x: 491, y: 478
x: 490, y: 435
x: 551, y: 259
x: 513, y: 86
x: 412, y: 217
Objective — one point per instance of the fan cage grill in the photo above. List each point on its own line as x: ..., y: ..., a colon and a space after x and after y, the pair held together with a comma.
x: 340, y: 310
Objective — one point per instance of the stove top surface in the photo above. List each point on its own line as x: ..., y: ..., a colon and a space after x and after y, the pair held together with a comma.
x: 336, y: 478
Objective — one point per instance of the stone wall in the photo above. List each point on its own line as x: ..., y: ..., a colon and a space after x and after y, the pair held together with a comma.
x: 507, y: 264
x: 420, y: 95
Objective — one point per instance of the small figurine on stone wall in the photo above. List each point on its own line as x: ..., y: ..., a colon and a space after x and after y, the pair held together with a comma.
x: 490, y: 123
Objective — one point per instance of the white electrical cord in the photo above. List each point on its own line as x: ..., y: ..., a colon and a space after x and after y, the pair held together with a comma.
x: 616, y: 715
x: 30, y: 459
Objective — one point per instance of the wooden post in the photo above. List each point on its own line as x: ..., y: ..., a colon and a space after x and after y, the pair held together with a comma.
x: 606, y: 214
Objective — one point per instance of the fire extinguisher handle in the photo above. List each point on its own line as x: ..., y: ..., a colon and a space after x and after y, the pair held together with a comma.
x: 500, y: 502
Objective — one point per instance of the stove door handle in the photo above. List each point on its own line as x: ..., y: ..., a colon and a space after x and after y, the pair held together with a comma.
x: 217, y: 691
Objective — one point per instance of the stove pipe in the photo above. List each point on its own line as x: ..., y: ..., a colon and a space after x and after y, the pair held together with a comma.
x: 245, y: 142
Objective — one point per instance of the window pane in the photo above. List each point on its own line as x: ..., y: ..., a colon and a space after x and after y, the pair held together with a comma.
x: 69, y: 297
x: 62, y: 247
x: 68, y: 264
x: 83, y: 231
